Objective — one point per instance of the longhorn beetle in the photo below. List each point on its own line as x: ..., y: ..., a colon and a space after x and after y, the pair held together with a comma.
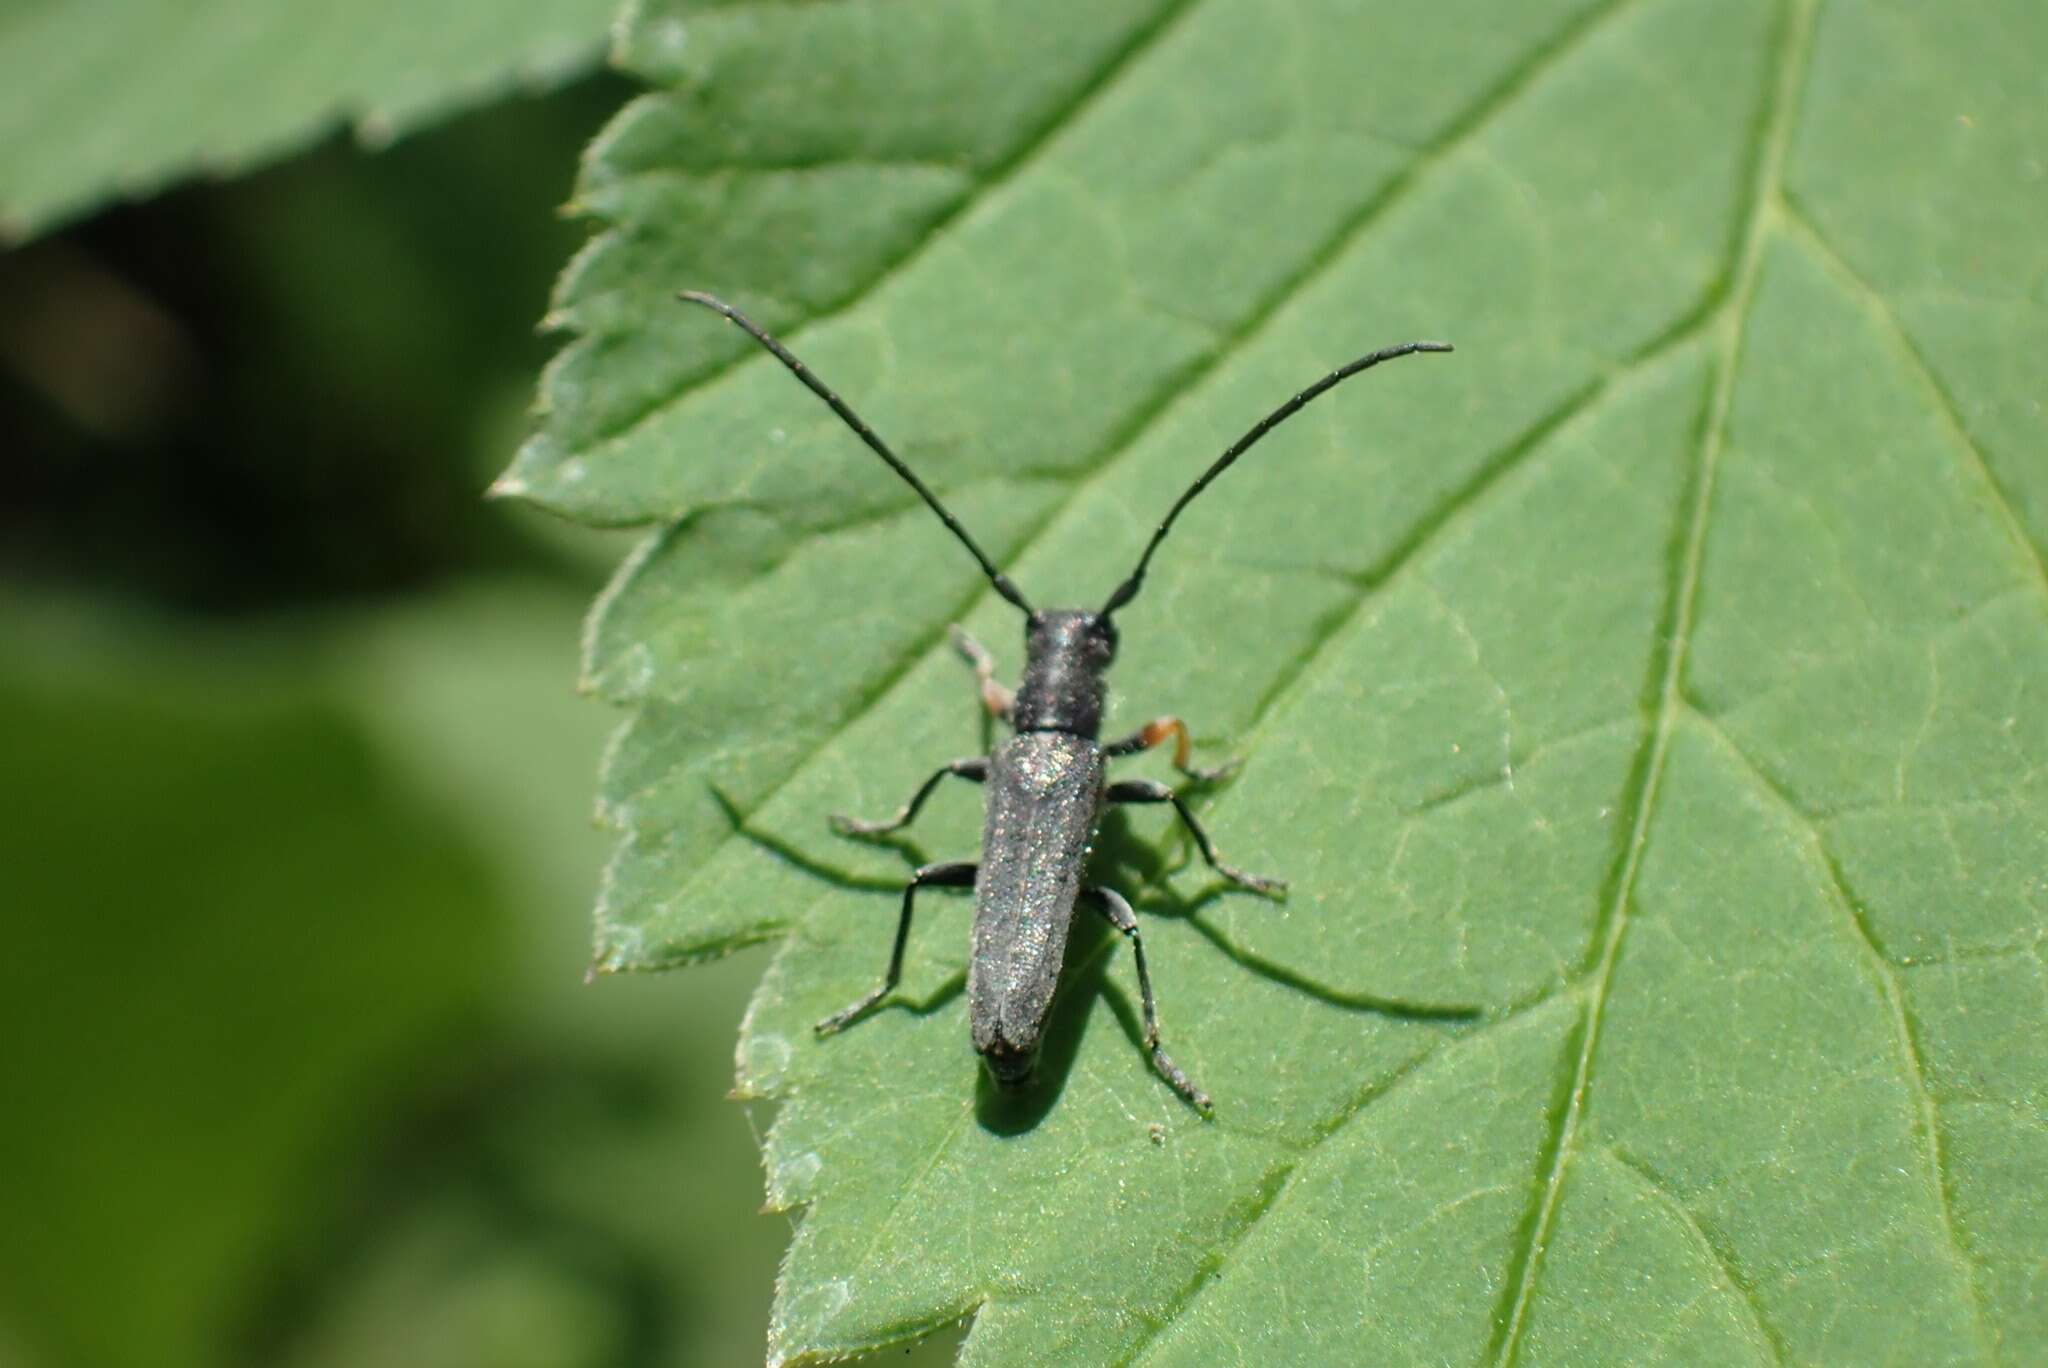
x: 1046, y: 783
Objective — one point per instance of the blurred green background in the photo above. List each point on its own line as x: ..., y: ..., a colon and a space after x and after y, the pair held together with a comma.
x: 295, y: 848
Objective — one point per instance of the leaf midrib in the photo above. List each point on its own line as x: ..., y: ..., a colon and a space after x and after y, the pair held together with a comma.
x: 1461, y: 130
x: 1795, y: 51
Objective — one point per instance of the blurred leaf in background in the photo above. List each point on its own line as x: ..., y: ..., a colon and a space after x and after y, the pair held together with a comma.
x: 1660, y: 671
x: 296, y: 795
x: 121, y: 97
x: 173, y: 1070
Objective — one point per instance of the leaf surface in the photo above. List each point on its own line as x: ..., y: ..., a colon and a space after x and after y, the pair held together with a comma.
x: 1659, y: 674
x: 119, y: 97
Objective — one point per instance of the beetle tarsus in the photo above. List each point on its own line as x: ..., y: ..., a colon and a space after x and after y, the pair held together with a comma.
x: 1217, y: 774
x: 1254, y: 883
x: 1180, y: 1082
x: 846, y: 1016
x: 1118, y: 913
x: 1147, y: 791
x: 952, y: 875
x: 972, y: 767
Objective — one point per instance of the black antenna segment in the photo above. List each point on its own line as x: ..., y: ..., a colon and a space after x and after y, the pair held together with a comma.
x: 867, y: 434
x: 1128, y: 590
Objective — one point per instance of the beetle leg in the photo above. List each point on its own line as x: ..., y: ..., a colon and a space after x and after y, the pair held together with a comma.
x: 1157, y: 731
x: 1118, y: 912
x: 959, y: 875
x: 973, y: 767
x: 994, y: 696
x: 1147, y: 791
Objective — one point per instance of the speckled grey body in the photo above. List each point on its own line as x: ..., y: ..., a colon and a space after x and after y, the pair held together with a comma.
x: 1044, y: 797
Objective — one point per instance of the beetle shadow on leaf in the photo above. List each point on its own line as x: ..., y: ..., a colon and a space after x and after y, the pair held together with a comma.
x: 815, y: 865
x: 1129, y: 864
x: 1124, y: 860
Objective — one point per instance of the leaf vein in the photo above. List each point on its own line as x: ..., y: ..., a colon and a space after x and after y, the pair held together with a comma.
x: 1730, y: 318
x: 1878, y: 307
x: 1759, y: 1325
x: 1445, y: 518
x: 1020, y: 159
x: 1274, y: 1184
x: 1884, y: 969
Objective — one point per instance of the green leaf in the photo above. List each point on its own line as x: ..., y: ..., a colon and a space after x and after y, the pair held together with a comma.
x: 118, y: 98
x: 208, y: 874
x: 1659, y: 673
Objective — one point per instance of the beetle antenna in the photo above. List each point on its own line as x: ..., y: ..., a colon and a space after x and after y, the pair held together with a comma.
x: 866, y: 434
x: 1128, y: 590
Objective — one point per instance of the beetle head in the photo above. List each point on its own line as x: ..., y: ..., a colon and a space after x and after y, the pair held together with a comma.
x: 1008, y: 1066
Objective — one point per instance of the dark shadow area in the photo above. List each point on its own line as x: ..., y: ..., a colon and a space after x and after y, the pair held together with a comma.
x: 1139, y: 871
x: 292, y: 387
x: 936, y: 1000
x: 909, y: 847
x: 811, y: 864
x: 1399, y: 1009
x: 1121, y: 860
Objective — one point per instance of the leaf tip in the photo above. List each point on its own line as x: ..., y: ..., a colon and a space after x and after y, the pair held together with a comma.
x: 508, y: 486
x: 376, y: 129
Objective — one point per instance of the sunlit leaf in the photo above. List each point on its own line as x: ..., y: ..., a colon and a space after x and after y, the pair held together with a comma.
x: 1659, y: 673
